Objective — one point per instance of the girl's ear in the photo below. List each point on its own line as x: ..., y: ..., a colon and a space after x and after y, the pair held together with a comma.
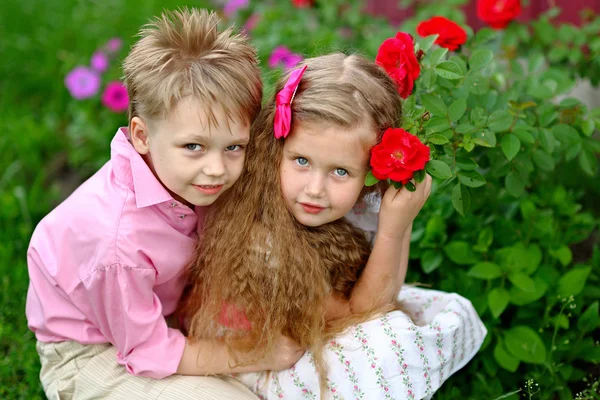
x: 139, y: 135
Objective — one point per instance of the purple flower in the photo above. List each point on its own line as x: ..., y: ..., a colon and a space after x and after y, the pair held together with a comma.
x: 82, y: 82
x: 283, y: 55
x: 233, y: 6
x: 115, y: 97
x: 114, y: 45
x: 251, y: 23
x: 99, y: 61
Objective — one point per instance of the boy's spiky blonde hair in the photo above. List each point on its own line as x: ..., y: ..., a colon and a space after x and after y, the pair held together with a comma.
x: 182, y: 53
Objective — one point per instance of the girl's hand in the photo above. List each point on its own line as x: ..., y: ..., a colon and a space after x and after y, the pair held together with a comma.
x: 399, y: 207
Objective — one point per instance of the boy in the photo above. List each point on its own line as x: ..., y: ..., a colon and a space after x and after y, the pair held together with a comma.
x: 106, y: 265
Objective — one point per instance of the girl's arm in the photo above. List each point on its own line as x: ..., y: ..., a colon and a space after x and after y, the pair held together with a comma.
x: 384, y: 273
x: 386, y: 269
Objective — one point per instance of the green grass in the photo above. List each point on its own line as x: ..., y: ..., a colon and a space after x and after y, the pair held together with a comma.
x: 45, y: 134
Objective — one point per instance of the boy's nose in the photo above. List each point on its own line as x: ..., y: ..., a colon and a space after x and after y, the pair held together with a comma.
x: 215, y: 165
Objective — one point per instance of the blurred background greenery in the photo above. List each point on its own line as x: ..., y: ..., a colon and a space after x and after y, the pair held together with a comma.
x: 51, y: 142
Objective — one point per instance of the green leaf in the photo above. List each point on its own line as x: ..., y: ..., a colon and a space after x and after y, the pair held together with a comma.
x: 370, y: 179
x: 431, y: 260
x: 484, y: 240
x: 587, y: 127
x: 460, y: 253
x: 525, y: 344
x: 588, y: 162
x: 524, y: 136
x: 437, y: 139
x: 547, y: 140
x: 504, y: 359
x: 572, y: 283
x: 448, y: 70
x: 437, y: 124
x: 461, y: 199
x: 480, y: 58
x: 434, y: 104
x: 520, y: 297
x: 485, y: 138
x: 485, y: 270
x: 457, y: 109
x: 566, y: 134
x: 410, y: 186
x: 514, y: 185
x: 522, y: 281
x: 471, y: 178
x: 427, y: 42
x: 532, y: 257
x: 543, y: 160
x: 563, y: 254
x: 466, y: 163
x: 573, y: 151
x: 500, y: 121
x: 589, y: 320
x: 439, y: 169
x: 437, y: 55
x: 498, y: 299
x: 419, y: 176
x: 510, y: 146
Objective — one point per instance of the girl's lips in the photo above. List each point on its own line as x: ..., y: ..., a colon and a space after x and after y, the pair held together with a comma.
x: 311, y: 208
x: 209, y: 189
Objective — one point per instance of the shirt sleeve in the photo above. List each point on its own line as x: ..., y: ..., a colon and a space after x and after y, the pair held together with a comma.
x: 129, y: 314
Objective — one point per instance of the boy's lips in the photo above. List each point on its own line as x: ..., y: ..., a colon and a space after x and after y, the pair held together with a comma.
x: 312, y: 208
x: 209, y: 189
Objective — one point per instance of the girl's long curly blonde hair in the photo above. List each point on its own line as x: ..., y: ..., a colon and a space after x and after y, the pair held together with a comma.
x: 253, y: 255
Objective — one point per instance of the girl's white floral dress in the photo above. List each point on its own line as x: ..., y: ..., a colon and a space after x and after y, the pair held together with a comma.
x: 402, y: 355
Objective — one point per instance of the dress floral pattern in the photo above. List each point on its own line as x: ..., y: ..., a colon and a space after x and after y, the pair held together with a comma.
x: 401, y: 355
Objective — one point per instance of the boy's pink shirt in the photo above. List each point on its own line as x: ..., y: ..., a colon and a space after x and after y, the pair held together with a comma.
x: 106, y: 265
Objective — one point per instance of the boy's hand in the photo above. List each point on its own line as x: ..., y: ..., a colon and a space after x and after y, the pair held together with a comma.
x: 399, y: 207
x: 284, y: 355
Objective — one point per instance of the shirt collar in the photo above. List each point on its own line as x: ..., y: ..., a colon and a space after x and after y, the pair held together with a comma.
x: 131, y: 168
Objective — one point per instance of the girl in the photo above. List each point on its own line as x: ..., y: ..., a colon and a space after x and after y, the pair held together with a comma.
x: 299, y: 268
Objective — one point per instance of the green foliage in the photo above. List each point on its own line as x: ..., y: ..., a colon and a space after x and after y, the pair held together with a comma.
x: 516, y: 170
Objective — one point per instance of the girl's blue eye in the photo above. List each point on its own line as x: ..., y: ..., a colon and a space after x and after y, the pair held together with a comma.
x: 234, y: 147
x: 193, y: 147
x: 341, y: 172
x: 302, y: 161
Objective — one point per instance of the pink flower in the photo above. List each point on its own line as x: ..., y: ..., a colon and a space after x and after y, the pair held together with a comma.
x: 404, y: 366
x: 333, y: 390
x: 82, y: 82
x: 394, y: 342
x: 233, y: 6
x: 355, y: 387
x: 114, y: 45
x: 99, y: 61
x: 283, y: 55
x: 251, y: 22
x: 347, y: 362
x: 425, y: 375
x: 364, y: 340
x: 115, y: 97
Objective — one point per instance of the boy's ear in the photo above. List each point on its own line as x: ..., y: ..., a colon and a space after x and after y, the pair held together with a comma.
x: 139, y: 135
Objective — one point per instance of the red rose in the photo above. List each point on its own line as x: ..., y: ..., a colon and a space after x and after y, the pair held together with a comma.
x: 451, y: 35
x: 498, y: 13
x: 398, y: 156
x: 397, y: 56
x: 303, y: 3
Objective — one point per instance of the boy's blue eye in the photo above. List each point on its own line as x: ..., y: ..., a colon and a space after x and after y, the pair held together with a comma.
x: 234, y: 147
x: 193, y: 147
x: 341, y: 172
x: 302, y: 161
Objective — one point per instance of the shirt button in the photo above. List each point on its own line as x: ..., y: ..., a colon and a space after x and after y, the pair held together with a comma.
x: 182, y: 216
x: 174, y: 204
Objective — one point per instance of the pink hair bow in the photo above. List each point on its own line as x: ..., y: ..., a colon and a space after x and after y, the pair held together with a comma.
x: 283, y: 102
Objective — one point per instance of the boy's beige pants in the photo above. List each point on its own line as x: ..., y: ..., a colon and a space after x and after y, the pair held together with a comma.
x: 71, y: 370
